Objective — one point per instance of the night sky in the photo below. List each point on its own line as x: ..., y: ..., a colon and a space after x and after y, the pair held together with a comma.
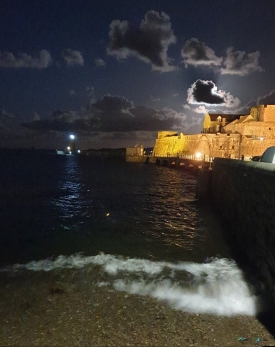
x: 115, y: 73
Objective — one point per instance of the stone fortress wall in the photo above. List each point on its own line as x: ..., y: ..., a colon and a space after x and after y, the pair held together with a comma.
x: 169, y: 143
x: 243, y: 195
x: 224, y: 136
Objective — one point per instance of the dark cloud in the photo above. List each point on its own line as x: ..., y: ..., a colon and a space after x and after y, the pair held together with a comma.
x: 65, y: 116
x: 196, y: 53
x: 194, y: 125
x: 149, y: 42
x: 60, y: 125
x: 65, y: 121
x: 110, y: 103
x: 11, y: 132
x: 115, y: 113
x: 110, y: 114
x: 155, y: 120
x: 100, y: 62
x: 240, y: 63
x: 23, y: 60
x: 206, y: 92
x: 36, y: 116
x: 7, y: 121
x: 72, y: 57
x: 268, y: 99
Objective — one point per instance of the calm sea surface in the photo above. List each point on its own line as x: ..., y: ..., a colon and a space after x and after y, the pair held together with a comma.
x: 52, y: 205
x: 74, y: 211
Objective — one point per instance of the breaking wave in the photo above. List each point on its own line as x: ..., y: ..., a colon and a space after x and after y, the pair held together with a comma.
x: 215, y: 287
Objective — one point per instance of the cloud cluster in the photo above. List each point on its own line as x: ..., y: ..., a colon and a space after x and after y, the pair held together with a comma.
x: 268, y: 99
x: 6, y: 121
x: 200, y: 109
x: 65, y: 116
x: 206, y: 92
x: 114, y: 104
x: 40, y: 61
x: 111, y: 114
x: 240, y: 63
x: 197, y: 53
x: 148, y: 42
x: 11, y: 132
x: 116, y: 113
x: 72, y: 57
x: 100, y: 62
x: 23, y: 60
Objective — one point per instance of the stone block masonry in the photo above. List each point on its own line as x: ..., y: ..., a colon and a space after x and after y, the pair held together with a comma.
x: 243, y: 194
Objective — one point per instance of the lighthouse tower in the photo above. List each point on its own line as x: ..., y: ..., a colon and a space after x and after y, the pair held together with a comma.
x: 71, y: 146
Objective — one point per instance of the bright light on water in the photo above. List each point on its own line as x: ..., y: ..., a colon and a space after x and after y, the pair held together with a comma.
x: 216, y: 287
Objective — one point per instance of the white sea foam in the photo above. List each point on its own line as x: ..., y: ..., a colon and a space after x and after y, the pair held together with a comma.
x: 215, y: 287
x: 222, y: 298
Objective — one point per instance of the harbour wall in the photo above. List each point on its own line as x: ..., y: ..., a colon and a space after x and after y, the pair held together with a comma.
x: 243, y: 195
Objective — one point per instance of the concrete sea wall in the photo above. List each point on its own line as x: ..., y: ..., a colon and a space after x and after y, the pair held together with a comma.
x: 243, y: 194
x: 137, y: 159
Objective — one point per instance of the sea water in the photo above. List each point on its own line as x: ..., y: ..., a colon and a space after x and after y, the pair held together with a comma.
x: 141, y: 224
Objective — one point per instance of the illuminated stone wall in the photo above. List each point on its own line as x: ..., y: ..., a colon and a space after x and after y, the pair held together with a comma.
x: 249, y: 136
x: 162, y: 134
x: 256, y: 136
x: 212, y: 126
x: 209, y: 145
x: 238, y: 126
x: 257, y: 112
x: 243, y: 194
x: 215, y: 145
x: 269, y: 113
x: 169, y: 145
x: 263, y: 113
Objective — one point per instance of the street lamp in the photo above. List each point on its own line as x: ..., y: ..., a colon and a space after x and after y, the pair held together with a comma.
x: 198, y: 155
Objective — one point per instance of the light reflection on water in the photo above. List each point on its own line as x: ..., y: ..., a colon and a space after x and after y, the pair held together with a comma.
x: 72, y: 203
x: 174, y: 217
x: 147, y: 210
x: 69, y: 204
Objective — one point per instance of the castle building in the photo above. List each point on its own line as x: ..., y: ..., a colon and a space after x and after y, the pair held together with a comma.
x: 214, y: 123
x: 223, y: 135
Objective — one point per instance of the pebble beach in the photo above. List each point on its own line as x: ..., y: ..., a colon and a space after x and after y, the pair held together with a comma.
x: 76, y: 308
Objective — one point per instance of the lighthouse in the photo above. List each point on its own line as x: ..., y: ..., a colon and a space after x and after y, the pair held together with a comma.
x: 71, y: 149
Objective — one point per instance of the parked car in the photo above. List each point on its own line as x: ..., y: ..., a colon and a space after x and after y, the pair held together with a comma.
x: 256, y: 158
x: 269, y: 155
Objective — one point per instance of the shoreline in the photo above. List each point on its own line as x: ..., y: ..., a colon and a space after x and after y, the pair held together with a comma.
x: 69, y: 307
